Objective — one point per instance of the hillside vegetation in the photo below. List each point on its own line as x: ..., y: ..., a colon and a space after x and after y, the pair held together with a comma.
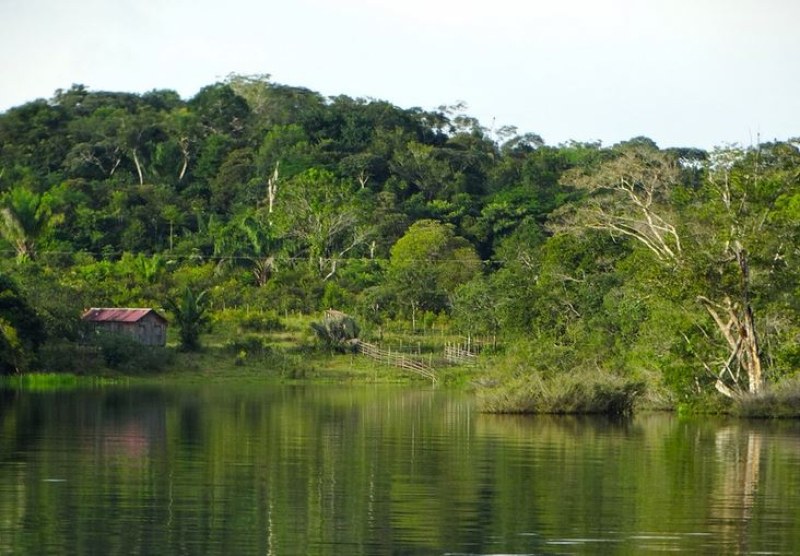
x: 665, y: 273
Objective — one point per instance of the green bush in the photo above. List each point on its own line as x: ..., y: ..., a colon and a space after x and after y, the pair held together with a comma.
x: 249, y: 344
x: 266, y: 322
x: 70, y: 358
x: 123, y: 353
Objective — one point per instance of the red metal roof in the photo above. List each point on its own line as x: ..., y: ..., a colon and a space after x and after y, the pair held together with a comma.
x: 107, y: 314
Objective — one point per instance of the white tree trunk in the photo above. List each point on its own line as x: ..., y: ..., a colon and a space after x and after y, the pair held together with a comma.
x: 138, y: 167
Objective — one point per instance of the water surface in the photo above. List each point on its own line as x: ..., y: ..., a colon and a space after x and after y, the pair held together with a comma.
x: 365, y: 470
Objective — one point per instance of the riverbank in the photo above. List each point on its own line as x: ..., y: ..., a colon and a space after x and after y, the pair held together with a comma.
x: 243, y: 346
x: 252, y: 349
x: 577, y: 393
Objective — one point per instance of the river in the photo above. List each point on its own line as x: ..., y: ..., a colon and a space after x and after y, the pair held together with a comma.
x: 365, y: 470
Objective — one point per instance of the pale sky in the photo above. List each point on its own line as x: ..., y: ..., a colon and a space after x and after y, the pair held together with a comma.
x: 682, y: 72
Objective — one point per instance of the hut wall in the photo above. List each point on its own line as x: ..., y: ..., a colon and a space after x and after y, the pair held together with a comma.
x: 148, y: 331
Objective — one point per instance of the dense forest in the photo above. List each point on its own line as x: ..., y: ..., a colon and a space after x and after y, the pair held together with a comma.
x: 673, y: 267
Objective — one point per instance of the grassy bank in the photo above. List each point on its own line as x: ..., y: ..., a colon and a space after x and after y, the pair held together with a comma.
x: 575, y: 393
x: 45, y: 382
x: 781, y: 401
x: 257, y: 347
x: 251, y: 346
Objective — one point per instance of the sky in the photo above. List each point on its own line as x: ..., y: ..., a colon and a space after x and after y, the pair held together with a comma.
x: 688, y: 73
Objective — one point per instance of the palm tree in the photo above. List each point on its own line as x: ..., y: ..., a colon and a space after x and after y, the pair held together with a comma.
x: 190, y: 315
x: 259, y: 249
x: 25, y: 218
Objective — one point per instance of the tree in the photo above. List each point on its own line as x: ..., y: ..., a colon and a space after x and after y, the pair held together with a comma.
x: 191, y: 316
x: 21, y: 330
x: 220, y: 110
x: 230, y: 186
x: 708, y: 235
x: 318, y: 212
x: 746, y: 250
x: 141, y: 134
x: 261, y: 247
x: 630, y: 196
x: 173, y: 156
x: 25, y: 219
x: 476, y: 308
x: 428, y: 263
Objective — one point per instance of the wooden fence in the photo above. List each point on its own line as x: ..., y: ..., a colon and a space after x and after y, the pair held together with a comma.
x: 413, y: 363
x: 460, y: 354
x: 466, y: 352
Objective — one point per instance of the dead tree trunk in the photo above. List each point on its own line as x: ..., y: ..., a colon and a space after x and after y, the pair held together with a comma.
x: 750, y: 347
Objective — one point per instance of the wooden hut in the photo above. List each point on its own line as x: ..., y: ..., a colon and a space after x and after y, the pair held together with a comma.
x: 144, y: 325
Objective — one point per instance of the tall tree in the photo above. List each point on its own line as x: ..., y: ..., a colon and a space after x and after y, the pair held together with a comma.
x: 746, y: 248
x: 710, y: 235
x: 318, y: 213
x: 427, y: 265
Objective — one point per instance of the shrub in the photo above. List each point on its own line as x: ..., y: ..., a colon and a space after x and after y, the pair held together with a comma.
x: 779, y: 401
x: 123, y: 353
x: 117, y: 349
x: 267, y: 322
x: 337, y: 332
x: 69, y: 357
x: 191, y: 316
x: 249, y: 344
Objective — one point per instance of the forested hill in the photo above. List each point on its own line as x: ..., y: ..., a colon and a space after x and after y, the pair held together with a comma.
x: 677, y: 264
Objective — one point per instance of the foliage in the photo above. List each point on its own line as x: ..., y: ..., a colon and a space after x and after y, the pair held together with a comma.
x: 337, y: 332
x: 675, y: 266
x: 781, y: 401
x: 268, y: 322
x: 429, y: 262
x: 123, y: 353
x: 25, y: 219
x: 476, y: 308
x: 21, y: 330
x: 191, y: 316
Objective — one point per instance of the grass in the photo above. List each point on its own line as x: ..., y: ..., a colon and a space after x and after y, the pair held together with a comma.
x: 780, y: 401
x: 241, y: 347
x: 567, y: 393
x: 254, y: 347
x: 47, y: 382
x: 219, y: 363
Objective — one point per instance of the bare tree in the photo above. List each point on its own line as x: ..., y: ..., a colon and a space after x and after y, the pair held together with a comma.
x: 632, y: 196
x: 627, y: 197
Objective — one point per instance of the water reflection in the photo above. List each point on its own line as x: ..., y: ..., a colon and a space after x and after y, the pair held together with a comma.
x: 738, y: 451
x: 325, y: 470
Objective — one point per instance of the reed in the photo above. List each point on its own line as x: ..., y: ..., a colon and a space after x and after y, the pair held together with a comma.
x: 781, y: 401
x: 562, y: 393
